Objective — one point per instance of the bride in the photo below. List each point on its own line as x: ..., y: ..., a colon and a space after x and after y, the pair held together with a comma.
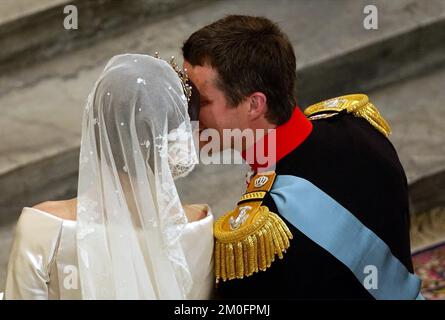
x: 126, y: 235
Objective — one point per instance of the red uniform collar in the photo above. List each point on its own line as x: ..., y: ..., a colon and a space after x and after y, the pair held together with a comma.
x: 286, y: 138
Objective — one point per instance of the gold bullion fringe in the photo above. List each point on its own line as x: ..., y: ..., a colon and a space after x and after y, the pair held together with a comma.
x: 371, y: 114
x: 253, y: 252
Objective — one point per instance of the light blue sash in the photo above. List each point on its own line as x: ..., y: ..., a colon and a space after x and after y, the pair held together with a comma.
x: 338, y: 231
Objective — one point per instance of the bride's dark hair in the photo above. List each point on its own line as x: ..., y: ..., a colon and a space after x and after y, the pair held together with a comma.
x: 194, y: 103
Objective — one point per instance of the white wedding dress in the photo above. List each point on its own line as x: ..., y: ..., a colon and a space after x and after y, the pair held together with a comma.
x: 43, y: 260
x: 131, y: 238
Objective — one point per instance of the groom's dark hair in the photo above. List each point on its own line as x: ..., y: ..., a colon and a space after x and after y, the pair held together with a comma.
x: 250, y: 54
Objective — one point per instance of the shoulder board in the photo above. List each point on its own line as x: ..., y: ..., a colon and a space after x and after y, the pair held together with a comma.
x: 258, y: 187
x: 248, y: 238
x: 356, y: 104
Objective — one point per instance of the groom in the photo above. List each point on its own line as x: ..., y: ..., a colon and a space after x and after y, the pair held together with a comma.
x: 326, y: 215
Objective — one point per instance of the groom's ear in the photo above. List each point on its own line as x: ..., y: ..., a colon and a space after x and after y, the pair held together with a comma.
x: 257, y: 106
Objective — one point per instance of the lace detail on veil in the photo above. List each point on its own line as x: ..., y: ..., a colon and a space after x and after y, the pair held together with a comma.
x: 136, y: 139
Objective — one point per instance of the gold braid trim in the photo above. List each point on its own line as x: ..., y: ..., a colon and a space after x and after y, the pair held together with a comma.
x: 356, y: 104
x: 252, y: 196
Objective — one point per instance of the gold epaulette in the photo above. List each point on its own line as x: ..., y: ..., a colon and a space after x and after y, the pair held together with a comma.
x: 356, y: 104
x: 248, y: 237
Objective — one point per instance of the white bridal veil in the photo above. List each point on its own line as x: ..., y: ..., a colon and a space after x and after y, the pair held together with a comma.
x: 136, y: 139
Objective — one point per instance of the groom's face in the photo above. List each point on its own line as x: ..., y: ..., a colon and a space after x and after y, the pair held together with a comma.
x: 215, y: 111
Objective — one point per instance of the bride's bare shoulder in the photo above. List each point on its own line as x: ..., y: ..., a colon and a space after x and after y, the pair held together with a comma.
x: 63, y: 209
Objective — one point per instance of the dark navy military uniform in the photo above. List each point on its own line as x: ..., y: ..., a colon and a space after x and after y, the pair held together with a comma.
x: 355, y: 164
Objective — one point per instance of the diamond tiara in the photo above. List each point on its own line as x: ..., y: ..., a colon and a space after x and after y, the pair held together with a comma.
x: 182, y: 74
